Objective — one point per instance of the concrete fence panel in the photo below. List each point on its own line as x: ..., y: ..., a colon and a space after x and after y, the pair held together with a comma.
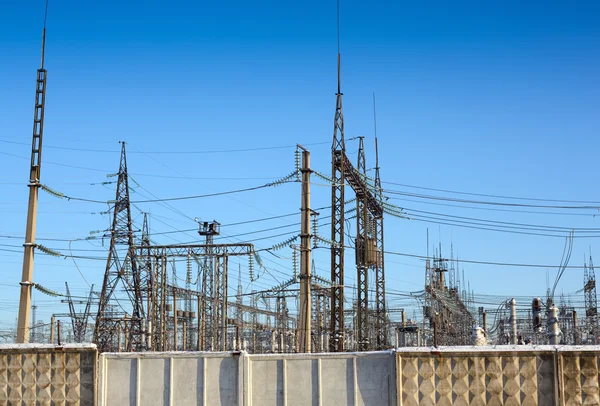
x: 579, y: 372
x: 172, y: 378
x: 320, y: 379
x: 47, y: 375
x: 476, y: 376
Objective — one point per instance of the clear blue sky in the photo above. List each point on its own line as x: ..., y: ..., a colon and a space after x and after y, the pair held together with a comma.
x: 478, y: 97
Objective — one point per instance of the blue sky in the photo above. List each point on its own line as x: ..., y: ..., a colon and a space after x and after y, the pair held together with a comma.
x: 478, y: 97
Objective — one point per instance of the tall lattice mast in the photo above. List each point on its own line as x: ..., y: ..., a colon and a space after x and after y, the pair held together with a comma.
x: 591, y: 305
x: 338, y: 154
x: 381, y: 321
x: 34, y: 185
x: 121, y: 234
x: 362, y: 266
x: 209, y: 309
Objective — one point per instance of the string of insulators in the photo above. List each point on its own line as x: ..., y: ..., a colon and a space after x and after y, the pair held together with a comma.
x: 46, y: 291
x: 283, y: 244
x: 325, y: 241
x: 322, y: 176
x: 283, y: 180
x: 395, y: 212
x: 52, y: 192
x: 321, y: 279
x: 295, y: 263
x: 392, y: 206
x: 189, y: 269
x: 127, y: 267
x: 251, y: 267
x: 112, y: 175
x: 297, y: 163
x: 48, y: 251
x: 97, y: 231
x: 315, y: 225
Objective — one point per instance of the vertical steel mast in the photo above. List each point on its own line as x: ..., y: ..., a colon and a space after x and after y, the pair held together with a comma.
x: 381, y: 322
x: 338, y: 154
x: 363, y: 219
x: 34, y: 185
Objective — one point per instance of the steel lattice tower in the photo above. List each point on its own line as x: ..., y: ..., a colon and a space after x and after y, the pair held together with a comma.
x: 209, y: 301
x: 362, y: 266
x: 591, y: 305
x: 338, y: 154
x: 121, y: 234
x: 381, y: 320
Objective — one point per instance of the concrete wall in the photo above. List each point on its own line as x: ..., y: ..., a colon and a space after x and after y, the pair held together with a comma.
x: 37, y: 374
x: 321, y: 379
x: 477, y: 376
x: 193, y: 378
x: 579, y: 376
x: 171, y: 378
x: 501, y: 375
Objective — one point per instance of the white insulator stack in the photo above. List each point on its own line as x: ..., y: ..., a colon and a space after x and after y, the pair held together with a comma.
x: 552, y: 325
x: 478, y: 337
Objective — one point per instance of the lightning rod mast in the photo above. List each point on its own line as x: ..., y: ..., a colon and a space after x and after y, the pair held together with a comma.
x: 34, y: 185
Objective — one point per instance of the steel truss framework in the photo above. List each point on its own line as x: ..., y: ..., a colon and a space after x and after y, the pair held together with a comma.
x: 369, y: 222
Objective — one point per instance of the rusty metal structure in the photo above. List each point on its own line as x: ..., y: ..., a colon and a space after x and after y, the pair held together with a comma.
x: 590, y: 300
x: 369, y: 214
x: 121, y: 272
x: 79, y: 321
x: 450, y: 321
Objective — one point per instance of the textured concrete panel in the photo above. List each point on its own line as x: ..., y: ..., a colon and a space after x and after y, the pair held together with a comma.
x: 47, y: 375
x: 513, y: 376
x: 579, y: 376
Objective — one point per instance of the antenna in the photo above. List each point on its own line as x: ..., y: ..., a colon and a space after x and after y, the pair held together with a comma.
x: 338, y: 46
x: 338, y: 25
x: 44, y: 36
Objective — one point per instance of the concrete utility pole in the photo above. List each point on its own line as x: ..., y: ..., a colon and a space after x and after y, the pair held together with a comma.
x: 304, y: 327
x: 34, y: 185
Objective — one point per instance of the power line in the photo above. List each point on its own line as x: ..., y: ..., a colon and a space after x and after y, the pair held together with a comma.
x: 450, y: 199
x: 494, y: 196
x: 217, y: 151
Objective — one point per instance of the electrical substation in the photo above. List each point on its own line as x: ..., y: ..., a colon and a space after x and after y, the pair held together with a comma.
x: 161, y: 297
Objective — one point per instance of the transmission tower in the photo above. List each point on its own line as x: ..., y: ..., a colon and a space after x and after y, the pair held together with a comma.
x: 381, y: 320
x: 363, y: 219
x: 591, y: 305
x: 209, y: 301
x: 338, y: 154
x: 239, y: 312
x: 34, y: 185
x: 121, y: 234
x: 79, y: 321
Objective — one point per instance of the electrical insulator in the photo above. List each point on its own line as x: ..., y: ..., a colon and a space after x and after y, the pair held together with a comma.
x: 315, y: 226
x: 189, y: 269
x: 297, y: 160
x: 295, y: 263
x: 251, y: 267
